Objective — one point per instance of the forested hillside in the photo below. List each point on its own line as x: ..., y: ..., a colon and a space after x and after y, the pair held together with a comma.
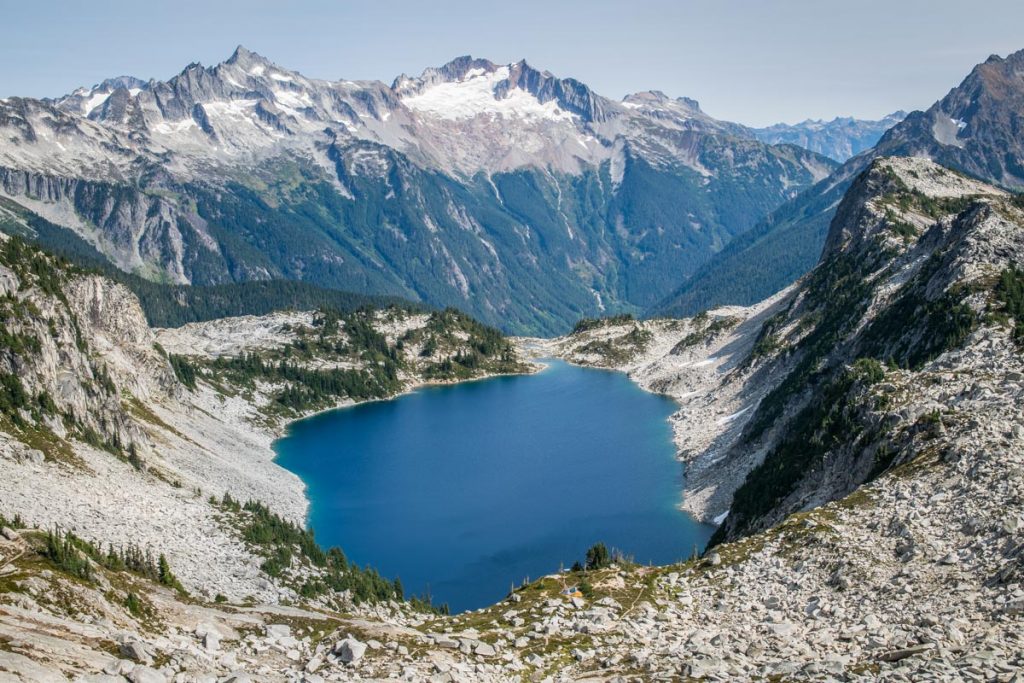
x: 167, y: 305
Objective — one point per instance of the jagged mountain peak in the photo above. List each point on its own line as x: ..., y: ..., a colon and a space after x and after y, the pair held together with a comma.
x: 472, y: 86
x: 689, y: 102
x: 570, y: 94
x: 647, y: 95
x: 975, y: 128
x: 122, y: 82
x: 92, y: 102
x: 510, y: 115
x: 659, y: 98
x: 840, y: 138
x: 441, y: 166
x: 679, y: 113
x: 457, y: 69
x: 244, y: 56
x: 837, y: 121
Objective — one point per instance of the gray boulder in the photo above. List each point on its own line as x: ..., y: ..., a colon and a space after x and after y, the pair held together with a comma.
x: 146, y: 674
x: 349, y: 650
x: 136, y: 651
x: 211, y: 641
x: 278, y: 630
x: 238, y: 677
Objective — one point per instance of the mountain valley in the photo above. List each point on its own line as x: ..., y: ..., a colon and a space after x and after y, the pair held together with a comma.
x: 878, y: 509
x: 189, y: 266
x: 974, y: 129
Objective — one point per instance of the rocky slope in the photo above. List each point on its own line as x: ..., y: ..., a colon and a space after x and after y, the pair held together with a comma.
x: 889, y: 380
x: 909, y: 293
x: 145, y: 449
x: 475, y: 184
x: 911, y: 270
x: 975, y: 128
x: 839, y: 139
x: 879, y: 534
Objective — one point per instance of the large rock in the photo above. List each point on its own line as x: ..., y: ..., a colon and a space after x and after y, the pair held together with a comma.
x: 119, y: 667
x: 898, y: 655
x: 446, y: 642
x: 136, y: 650
x: 211, y: 641
x: 278, y: 630
x: 238, y: 677
x: 349, y: 650
x: 146, y: 674
x: 31, y: 456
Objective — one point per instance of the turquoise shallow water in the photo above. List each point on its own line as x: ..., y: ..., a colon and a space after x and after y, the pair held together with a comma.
x: 463, y: 490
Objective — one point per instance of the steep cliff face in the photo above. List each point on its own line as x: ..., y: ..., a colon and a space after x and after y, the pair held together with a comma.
x: 143, y: 232
x: 116, y: 328
x: 909, y: 294
x: 57, y: 383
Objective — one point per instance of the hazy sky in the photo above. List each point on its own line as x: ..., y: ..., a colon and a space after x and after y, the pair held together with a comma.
x: 750, y: 61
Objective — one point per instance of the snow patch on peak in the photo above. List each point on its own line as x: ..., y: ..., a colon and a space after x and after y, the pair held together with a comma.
x: 95, y: 100
x: 474, y: 95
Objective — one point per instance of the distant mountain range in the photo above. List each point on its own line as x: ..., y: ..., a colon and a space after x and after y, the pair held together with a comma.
x: 523, y: 198
x: 977, y: 129
x: 839, y: 139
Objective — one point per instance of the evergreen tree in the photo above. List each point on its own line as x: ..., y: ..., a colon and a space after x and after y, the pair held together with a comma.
x: 598, y: 556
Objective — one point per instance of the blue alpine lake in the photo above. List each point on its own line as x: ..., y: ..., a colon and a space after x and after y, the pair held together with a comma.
x: 463, y: 490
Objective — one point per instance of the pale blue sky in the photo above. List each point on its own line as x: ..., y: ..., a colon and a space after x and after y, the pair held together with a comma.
x: 751, y: 61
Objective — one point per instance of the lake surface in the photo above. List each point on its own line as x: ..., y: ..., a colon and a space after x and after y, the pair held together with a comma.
x: 464, y: 490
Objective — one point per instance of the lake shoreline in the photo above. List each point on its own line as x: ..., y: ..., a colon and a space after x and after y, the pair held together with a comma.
x: 703, y: 370
x: 281, y: 430
x: 488, y: 450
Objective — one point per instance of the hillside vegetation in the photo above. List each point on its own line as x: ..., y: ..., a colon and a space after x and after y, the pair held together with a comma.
x: 168, y: 305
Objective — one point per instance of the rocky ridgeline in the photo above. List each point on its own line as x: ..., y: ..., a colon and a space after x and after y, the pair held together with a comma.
x: 974, y: 129
x: 908, y: 280
x: 858, y: 437
x: 925, y: 442
x: 839, y: 139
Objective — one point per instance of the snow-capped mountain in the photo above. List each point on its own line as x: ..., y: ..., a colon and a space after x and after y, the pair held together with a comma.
x: 525, y: 198
x: 839, y: 139
x: 470, y: 115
